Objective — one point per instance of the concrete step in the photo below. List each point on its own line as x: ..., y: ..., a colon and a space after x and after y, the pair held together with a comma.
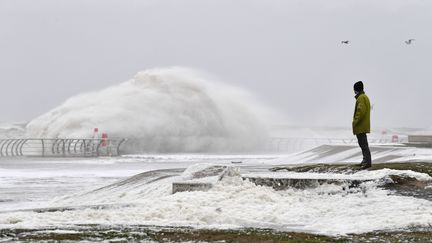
x: 275, y: 183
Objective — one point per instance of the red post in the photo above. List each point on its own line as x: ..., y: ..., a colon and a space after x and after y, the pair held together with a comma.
x: 95, y: 133
x: 104, y: 139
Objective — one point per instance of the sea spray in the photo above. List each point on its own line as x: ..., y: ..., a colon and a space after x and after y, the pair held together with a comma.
x: 163, y: 110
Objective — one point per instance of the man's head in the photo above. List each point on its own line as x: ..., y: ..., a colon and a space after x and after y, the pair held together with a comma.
x: 358, y: 87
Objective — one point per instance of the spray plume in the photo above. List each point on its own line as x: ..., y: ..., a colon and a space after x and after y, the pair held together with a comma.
x: 165, y: 110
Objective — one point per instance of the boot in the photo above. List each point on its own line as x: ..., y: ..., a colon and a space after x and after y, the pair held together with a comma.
x: 365, y: 165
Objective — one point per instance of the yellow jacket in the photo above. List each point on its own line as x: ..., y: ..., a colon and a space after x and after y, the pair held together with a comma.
x: 361, y: 119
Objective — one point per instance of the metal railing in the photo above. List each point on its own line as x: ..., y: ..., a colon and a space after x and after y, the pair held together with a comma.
x: 60, y: 147
x: 69, y: 147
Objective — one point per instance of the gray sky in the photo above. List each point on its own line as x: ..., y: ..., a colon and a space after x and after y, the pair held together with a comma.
x: 288, y: 52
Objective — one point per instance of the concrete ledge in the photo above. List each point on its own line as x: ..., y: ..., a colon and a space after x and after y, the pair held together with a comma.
x: 275, y: 183
x: 298, y: 183
x: 190, y: 186
x: 420, y: 138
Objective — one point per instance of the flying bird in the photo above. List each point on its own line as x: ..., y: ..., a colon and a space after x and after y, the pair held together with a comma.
x: 408, y: 42
x: 345, y: 42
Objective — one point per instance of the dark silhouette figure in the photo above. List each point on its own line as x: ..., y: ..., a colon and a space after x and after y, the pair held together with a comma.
x: 361, y: 123
x: 409, y: 42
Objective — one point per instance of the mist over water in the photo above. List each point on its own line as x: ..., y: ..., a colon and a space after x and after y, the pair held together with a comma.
x: 166, y: 110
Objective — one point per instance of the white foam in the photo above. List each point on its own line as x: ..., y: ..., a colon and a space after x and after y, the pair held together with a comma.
x: 233, y: 203
x: 168, y: 110
x: 191, y: 170
x: 242, y: 204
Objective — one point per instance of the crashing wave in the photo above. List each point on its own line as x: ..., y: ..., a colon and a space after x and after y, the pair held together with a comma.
x: 164, y: 110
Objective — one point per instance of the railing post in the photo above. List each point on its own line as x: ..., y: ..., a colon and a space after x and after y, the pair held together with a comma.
x: 2, y: 142
x: 98, y: 147
x: 15, y: 147
x: 75, y: 147
x: 7, y: 146
x: 84, y: 147
x: 21, y: 147
x: 118, y: 146
x: 69, y: 145
x: 43, y: 148
x: 64, y: 148
x: 54, y: 142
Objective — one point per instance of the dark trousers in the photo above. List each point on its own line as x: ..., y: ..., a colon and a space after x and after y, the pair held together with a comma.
x: 363, y: 142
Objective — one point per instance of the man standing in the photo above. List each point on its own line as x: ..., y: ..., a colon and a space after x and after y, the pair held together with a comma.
x: 361, y: 123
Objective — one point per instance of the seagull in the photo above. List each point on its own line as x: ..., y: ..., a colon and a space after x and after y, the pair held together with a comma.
x: 345, y: 42
x: 408, y: 42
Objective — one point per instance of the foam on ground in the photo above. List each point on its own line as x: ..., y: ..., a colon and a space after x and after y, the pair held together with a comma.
x: 234, y: 203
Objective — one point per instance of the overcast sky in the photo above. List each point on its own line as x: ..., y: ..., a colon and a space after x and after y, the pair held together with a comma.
x: 288, y: 52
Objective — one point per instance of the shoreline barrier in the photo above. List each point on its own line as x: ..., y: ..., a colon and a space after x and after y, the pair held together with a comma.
x: 95, y: 147
x: 60, y: 147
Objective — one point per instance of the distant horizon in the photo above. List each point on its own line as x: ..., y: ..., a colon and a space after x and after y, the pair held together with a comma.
x: 275, y: 126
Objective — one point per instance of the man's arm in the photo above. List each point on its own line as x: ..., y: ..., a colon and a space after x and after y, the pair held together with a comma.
x: 360, y: 112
